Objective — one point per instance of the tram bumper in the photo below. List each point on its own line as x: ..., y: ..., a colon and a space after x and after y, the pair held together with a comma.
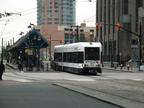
x: 92, y: 69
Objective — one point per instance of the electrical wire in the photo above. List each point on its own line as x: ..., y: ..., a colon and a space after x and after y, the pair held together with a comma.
x: 23, y: 13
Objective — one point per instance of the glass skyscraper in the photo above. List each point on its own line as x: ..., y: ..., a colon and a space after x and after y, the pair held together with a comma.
x: 57, y: 12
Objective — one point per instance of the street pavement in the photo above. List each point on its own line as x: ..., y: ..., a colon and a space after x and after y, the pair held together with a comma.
x: 124, y: 92
x: 45, y: 95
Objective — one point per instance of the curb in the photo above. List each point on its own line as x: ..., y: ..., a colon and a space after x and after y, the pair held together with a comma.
x: 122, y: 70
x: 12, y: 66
x: 100, y: 96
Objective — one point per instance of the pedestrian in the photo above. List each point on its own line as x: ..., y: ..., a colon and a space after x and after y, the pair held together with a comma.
x: 2, y: 69
x: 20, y: 67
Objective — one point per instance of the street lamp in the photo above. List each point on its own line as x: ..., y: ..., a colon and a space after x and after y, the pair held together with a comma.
x: 2, y: 51
x: 28, y: 59
x: 31, y: 25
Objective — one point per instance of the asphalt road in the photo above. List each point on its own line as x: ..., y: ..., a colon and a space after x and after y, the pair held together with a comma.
x: 44, y: 95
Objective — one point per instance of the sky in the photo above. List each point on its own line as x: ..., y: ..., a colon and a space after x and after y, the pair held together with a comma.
x: 11, y: 26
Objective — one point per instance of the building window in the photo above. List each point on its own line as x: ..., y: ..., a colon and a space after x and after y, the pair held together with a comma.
x: 49, y: 22
x: 49, y: 15
x: 126, y: 6
x: 91, y: 30
x: 49, y: 11
x: 56, y: 19
x: 68, y: 38
x: 67, y: 29
x: 56, y: 15
x: 56, y: 22
x: 81, y: 30
x: 56, y: 7
x: 49, y: 7
x: 49, y: 2
x: 56, y: 3
x: 56, y: 11
x: 49, y: 19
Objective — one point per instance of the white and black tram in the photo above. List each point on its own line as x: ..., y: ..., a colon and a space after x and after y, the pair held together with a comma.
x: 81, y: 57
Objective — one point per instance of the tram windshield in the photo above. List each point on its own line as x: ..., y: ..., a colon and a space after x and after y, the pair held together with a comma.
x: 92, y: 53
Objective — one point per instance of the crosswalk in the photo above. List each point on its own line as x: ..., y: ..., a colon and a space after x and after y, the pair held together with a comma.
x: 32, y: 77
x: 22, y: 80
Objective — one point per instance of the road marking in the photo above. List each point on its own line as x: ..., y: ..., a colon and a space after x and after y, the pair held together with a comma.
x: 22, y: 80
x: 81, y: 79
x: 137, y: 79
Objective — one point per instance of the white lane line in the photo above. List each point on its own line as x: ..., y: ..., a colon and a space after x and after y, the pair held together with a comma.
x: 22, y: 80
x: 81, y: 79
x: 137, y: 79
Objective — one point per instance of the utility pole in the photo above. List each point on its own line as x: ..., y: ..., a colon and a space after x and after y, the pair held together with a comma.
x: 2, y: 51
x: 50, y: 58
x: 50, y: 47
x: 77, y: 31
x: 140, y: 44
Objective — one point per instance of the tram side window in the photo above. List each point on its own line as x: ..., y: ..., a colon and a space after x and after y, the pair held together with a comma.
x: 64, y: 57
x: 80, y: 57
x: 69, y: 57
x: 75, y: 57
x: 58, y: 57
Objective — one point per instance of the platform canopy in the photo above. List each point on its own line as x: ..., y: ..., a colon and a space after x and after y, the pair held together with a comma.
x: 32, y: 39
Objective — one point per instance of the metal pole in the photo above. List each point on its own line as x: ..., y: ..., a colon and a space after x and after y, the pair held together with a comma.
x: 77, y: 33
x: 13, y: 40
x: 140, y: 44
x: 50, y: 49
x: 118, y: 50
x: 2, y: 51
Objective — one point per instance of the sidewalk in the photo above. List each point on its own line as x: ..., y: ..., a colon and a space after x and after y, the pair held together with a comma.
x: 125, y: 93
x: 15, y: 67
x: 12, y: 66
x: 124, y: 69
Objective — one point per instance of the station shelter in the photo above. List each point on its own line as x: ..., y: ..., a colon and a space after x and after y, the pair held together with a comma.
x: 27, y: 49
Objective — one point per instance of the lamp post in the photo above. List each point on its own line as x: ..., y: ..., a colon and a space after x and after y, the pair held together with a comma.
x: 28, y: 59
x: 77, y: 30
x: 140, y: 44
x: 2, y: 51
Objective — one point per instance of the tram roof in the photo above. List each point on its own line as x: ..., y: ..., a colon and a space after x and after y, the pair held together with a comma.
x: 84, y: 44
x: 26, y: 41
x: 79, y: 45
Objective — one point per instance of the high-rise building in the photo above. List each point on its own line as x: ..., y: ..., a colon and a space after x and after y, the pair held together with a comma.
x: 120, y: 45
x: 56, y: 12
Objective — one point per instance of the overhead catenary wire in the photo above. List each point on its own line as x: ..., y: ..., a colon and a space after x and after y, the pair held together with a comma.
x: 35, y: 8
x: 32, y: 11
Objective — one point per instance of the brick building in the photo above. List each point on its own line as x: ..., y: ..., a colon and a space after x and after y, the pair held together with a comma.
x: 60, y: 34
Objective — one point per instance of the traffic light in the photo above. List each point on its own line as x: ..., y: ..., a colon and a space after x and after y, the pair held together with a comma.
x: 118, y: 26
x: 60, y: 41
x: 50, y: 41
x: 97, y: 26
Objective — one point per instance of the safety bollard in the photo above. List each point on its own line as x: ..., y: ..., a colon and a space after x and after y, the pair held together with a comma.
x: 128, y: 67
x: 121, y: 66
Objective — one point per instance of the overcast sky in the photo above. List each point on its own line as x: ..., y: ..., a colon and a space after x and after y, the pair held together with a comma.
x: 11, y: 26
